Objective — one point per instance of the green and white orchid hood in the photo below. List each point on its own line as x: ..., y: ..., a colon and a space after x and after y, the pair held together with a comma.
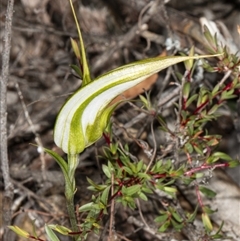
x: 85, y: 115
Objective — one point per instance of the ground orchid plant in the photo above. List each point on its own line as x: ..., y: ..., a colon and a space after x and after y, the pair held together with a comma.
x: 85, y: 117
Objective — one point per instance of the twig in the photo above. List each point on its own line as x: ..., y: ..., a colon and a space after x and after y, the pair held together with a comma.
x: 138, y: 223
x: 141, y: 214
x: 227, y: 74
x: 33, y: 129
x: 8, y: 186
x: 111, y: 224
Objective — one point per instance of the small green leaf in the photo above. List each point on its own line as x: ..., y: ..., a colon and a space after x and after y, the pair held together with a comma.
x: 77, y: 70
x: 191, y: 217
x: 161, y: 218
x: 132, y: 167
x: 207, y: 192
x: 96, y: 186
x: 61, y: 162
x: 144, y: 176
x: 213, y: 109
x: 86, y: 207
x: 220, y: 228
x: 186, y: 90
x: 197, y: 149
x: 61, y: 229
x: 128, y: 170
x: 146, y: 190
x: 208, y: 210
x: 189, y: 148
x: 217, y: 236
x: 191, y: 99
x: 19, y: 231
x: 130, y: 191
x: 139, y: 166
x: 105, y: 195
x: 75, y: 48
x: 170, y: 190
x: 164, y: 226
x: 176, y: 216
x: 51, y: 234
x: 106, y: 171
x: 113, y: 147
x: 65, y: 170
x: 144, y: 100
x: 143, y: 196
x: 189, y: 63
x: 214, y: 141
x: 234, y: 163
x: 215, y: 89
x: 176, y: 225
x: 222, y: 155
x: 206, y: 222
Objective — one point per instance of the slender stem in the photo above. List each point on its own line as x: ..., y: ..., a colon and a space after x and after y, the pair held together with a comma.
x: 71, y: 213
x: 203, y: 167
x: 70, y: 190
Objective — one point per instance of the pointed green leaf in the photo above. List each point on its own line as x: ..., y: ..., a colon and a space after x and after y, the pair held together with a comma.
x: 192, y: 216
x: 189, y: 63
x: 86, y: 207
x: 65, y: 170
x: 51, y: 234
x: 161, y: 218
x: 177, y: 216
x: 170, y: 189
x: 61, y: 229
x: 143, y: 196
x: 106, y: 171
x: 207, y: 192
x: 129, y: 191
x: 208, y: 210
x: 234, y: 163
x: 83, y: 59
x: 19, y: 231
x: 96, y: 186
x: 222, y: 155
x: 75, y: 48
x: 77, y: 70
x: 191, y: 99
x: 207, y: 222
x: 186, y: 90
x: 176, y: 225
x: 164, y: 226
x: 105, y: 195
x: 139, y: 166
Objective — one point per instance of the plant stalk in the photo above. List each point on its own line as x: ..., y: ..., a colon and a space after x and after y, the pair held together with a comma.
x: 70, y: 189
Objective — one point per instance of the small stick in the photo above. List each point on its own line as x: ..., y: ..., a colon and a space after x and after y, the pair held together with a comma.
x: 111, y: 224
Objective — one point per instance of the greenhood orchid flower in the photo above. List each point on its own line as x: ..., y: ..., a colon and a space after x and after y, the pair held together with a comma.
x: 85, y: 115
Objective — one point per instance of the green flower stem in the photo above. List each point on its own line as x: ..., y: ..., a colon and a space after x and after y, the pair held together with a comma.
x: 73, y: 162
x: 71, y: 213
x: 70, y: 190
